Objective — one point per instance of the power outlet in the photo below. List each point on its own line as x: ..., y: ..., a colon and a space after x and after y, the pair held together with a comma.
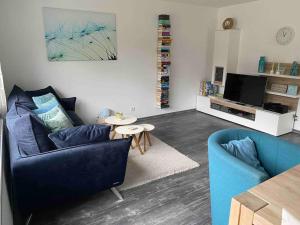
x: 132, y: 109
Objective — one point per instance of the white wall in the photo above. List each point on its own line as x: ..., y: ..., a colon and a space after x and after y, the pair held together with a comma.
x: 259, y: 22
x: 131, y: 80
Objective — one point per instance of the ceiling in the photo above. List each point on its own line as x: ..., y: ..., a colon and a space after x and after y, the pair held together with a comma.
x: 213, y: 3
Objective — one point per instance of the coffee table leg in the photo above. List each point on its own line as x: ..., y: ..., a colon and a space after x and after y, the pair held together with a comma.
x: 148, y: 137
x: 137, y: 144
x: 144, y: 141
x: 113, y: 132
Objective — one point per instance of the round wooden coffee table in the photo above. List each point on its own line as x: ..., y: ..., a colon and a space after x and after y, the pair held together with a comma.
x: 146, y: 134
x: 131, y: 130
x: 116, y: 122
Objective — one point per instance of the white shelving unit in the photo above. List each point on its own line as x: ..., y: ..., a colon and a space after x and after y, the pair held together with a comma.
x: 226, y: 52
x: 281, y: 94
x: 266, y: 121
x: 280, y: 76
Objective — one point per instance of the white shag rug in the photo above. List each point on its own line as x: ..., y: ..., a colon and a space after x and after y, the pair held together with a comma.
x: 160, y: 160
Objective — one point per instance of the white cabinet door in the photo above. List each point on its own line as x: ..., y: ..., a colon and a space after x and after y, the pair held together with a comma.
x: 297, y: 122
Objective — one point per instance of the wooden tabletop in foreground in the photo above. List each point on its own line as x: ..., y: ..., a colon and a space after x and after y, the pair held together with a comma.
x: 263, y: 204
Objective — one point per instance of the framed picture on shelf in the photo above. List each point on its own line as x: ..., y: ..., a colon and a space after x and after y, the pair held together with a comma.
x: 219, y: 74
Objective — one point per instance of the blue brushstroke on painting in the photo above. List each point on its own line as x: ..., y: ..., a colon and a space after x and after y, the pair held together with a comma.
x: 78, y: 40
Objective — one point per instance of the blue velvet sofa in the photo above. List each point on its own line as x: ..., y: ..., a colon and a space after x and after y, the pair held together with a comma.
x: 229, y: 176
x: 45, y: 179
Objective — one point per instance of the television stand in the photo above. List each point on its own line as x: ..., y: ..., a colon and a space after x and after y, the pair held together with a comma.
x: 249, y: 116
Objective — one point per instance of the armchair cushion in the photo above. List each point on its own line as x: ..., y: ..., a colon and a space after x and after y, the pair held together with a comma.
x: 86, y: 134
x: 244, y: 150
x: 17, y: 95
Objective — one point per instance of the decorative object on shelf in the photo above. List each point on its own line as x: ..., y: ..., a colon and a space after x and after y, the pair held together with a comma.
x: 280, y: 88
x: 285, y: 35
x: 219, y: 73
x: 163, y: 61
x: 282, y: 70
x: 119, y: 115
x: 292, y: 89
x: 294, y: 69
x: 207, y: 88
x: 262, y: 64
x: 103, y: 114
x: 228, y: 23
x: 273, y: 67
x: 278, y: 69
x: 74, y: 35
x: 287, y: 67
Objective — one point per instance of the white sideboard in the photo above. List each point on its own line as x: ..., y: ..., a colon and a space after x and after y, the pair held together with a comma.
x: 266, y: 121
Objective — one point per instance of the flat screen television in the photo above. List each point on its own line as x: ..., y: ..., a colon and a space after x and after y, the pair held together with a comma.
x: 246, y: 89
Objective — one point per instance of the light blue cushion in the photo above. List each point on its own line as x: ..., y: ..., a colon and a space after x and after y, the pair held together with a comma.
x: 44, y: 101
x: 43, y: 108
x: 56, y: 119
x: 244, y: 150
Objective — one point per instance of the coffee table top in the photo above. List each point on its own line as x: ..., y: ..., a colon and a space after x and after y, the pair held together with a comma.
x: 113, y: 120
x: 130, y: 129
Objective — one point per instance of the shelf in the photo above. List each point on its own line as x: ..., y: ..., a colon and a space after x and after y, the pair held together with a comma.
x: 281, y: 94
x: 280, y: 76
x: 232, y: 105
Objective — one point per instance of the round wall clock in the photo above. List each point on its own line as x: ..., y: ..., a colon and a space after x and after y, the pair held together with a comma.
x: 285, y: 35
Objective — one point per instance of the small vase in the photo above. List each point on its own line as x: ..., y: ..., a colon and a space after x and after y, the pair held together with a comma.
x: 262, y: 64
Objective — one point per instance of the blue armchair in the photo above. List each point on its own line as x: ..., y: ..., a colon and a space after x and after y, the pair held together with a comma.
x: 229, y: 176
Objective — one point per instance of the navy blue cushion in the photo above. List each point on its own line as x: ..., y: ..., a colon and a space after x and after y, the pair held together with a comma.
x: 76, y: 120
x: 86, y: 134
x: 244, y: 150
x: 17, y: 95
x: 43, y: 91
x: 68, y: 103
x: 30, y: 132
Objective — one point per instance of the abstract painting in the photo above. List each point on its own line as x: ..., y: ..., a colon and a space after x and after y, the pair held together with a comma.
x: 74, y: 35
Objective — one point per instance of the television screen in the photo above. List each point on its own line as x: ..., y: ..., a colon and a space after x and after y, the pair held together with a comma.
x: 246, y: 89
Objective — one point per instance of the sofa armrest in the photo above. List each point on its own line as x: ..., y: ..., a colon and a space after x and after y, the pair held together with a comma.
x: 48, y: 178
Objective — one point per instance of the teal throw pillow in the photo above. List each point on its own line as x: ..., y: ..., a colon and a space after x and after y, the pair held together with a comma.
x: 244, y: 150
x: 55, y: 119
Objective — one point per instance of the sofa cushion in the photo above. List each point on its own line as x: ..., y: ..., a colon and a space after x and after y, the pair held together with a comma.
x: 45, y: 103
x: 55, y: 119
x: 43, y: 91
x: 69, y: 103
x: 17, y: 95
x: 86, y: 134
x: 244, y: 150
x: 76, y: 120
x: 29, y: 131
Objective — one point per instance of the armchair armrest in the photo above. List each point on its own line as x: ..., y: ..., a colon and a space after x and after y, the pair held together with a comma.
x: 229, y: 177
x: 69, y: 173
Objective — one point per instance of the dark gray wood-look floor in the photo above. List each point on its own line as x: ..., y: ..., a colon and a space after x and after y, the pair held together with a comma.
x: 179, y: 199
